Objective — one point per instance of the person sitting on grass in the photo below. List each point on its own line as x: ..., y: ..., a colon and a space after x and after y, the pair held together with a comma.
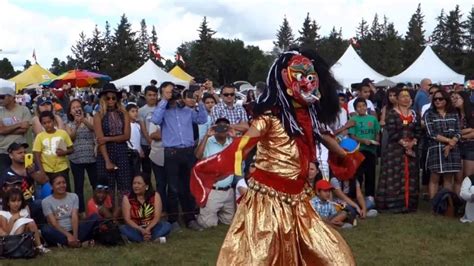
x: 142, y: 212
x: 324, y: 207
x: 467, y: 194
x: 15, y: 218
x: 101, y: 203
x: 61, y: 211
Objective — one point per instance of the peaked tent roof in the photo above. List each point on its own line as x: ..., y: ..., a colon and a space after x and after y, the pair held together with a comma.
x: 350, y: 68
x: 145, y: 73
x: 178, y: 72
x: 34, y: 74
x: 428, y: 65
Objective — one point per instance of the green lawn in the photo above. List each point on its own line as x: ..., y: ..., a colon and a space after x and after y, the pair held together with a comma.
x: 411, y: 239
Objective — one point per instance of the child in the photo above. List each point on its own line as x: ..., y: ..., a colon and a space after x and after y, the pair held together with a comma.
x: 100, y: 203
x: 51, y: 147
x: 15, y: 218
x: 325, y: 208
x: 366, y: 131
x: 135, y: 138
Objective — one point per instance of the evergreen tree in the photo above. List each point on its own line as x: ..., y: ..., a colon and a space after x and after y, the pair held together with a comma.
x: 455, y: 30
x: 124, y: 55
x: 414, y: 41
x: 371, y: 47
x: 285, y: 37
x: 309, y: 36
x: 6, y: 69
x: 391, y: 60
x: 470, y: 30
x: 107, y: 42
x: 95, y: 52
x: 26, y: 65
x: 70, y: 63
x: 333, y: 46
x: 202, y: 56
x: 362, y: 31
x: 154, y: 41
x: 438, y: 37
x: 58, y: 67
x: 143, y: 41
x: 376, y: 29
x: 79, y: 51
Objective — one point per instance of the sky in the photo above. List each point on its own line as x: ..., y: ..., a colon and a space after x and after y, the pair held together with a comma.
x: 51, y: 27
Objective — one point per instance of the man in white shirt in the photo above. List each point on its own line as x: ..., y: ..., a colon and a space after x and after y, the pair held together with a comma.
x: 364, y: 92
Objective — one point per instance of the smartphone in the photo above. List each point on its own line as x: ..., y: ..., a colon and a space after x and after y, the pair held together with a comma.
x: 221, y: 128
x: 28, y: 160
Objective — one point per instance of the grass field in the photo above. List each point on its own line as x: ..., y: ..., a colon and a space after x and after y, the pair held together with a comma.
x: 410, y: 239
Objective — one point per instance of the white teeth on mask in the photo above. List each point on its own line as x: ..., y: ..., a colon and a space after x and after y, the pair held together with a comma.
x: 310, y: 98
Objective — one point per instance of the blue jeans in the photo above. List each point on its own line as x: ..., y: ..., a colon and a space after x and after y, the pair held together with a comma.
x: 86, y: 230
x: 132, y: 234
x: 369, y: 205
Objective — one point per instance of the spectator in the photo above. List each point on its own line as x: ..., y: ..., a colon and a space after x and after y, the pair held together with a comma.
x: 176, y: 123
x: 80, y: 128
x: 313, y: 174
x: 62, y: 94
x: 466, y: 114
x: 241, y: 186
x: 324, y: 207
x: 364, y: 93
x: 101, y: 203
x: 112, y: 130
x: 220, y: 205
x: 259, y: 88
x: 135, y: 149
x: 24, y: 177
x: 398, y: 185
x: 157, y: 157
x: 51, y: 147
x: 61, y: 211
x: 422, y: 96
x: 228, y: 109
x: 14, y: 123
x: 427, y: 106
x: 366, y: 132
x: 341, y: 125
x: 142, y: 212
x: 467, y: 194
x: 209, y: 102
x: 15, y: 218
x: 190, y: 101
x: 250, y: 103
x: 124, y: 97
x: 44, y: 104
x: 144, y: 118
x: 390, y: 102
x: 443, y: 156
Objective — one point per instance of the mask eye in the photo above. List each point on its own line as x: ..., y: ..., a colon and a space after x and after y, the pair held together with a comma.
x: 299, y: 76
x: 311, y: 78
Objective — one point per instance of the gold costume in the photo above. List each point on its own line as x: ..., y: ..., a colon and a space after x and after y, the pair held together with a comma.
x: 272, y: 227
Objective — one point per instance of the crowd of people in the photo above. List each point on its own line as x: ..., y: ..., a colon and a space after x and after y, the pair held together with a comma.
x: 121, y: 140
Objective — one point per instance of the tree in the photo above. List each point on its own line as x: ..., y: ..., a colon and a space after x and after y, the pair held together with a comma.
x: 362, y: 31
x: 154, y: 41
x: 26, y: 65
x: 455, y: 30
x: 95, y: 52
x: 333, y: 46
x: 309, y: 36
x: 439, y: 37
x: 58, y: 67
x: 6, y: 69
x: 285, y: 37
x: 124, y: 55
x: 470, y: 30
x: 143, y: 41
x: 202, y: 56
x: 391, y: 60
x: 414, y: 41
x: 371, y: 49
x: 79, y: 51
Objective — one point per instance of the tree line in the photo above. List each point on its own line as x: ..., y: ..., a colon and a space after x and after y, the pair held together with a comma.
x: 119, y: 51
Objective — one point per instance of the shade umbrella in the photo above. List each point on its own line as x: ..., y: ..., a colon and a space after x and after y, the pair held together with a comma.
x: 78, y: 78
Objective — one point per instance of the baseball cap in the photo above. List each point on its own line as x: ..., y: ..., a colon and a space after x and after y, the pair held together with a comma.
x: 43, y: 100
x: 6, y: 90
x: 323, y: 185
x: 15, y: 146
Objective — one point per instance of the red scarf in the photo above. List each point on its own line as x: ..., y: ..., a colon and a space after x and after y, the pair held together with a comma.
x: 305, y: 142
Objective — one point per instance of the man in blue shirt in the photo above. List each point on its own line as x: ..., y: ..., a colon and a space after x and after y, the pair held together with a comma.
x: 176, y: 123
x: 220, y: 205
x: 422, y: 96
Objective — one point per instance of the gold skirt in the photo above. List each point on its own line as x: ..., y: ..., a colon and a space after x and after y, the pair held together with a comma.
x: 272, y: 229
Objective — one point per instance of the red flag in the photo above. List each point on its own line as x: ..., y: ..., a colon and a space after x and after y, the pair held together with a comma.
x: 154, y: 51
x: 178, y: 57
x: 354, y: 42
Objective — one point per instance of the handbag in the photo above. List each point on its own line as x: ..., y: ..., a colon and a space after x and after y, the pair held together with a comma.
x: 108, y: 234
x: 17, y: 246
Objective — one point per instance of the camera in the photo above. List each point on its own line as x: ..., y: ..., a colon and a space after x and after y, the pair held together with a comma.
x: 176, y: 94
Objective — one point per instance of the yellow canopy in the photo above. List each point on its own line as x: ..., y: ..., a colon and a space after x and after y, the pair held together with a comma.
x: 180, y: 73
x: 34, y: 74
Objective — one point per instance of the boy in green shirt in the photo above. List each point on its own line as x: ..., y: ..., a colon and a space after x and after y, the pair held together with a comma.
x: 366, y: 132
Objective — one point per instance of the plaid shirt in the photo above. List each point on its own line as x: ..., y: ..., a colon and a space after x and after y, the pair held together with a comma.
x: 325, y: 209
x: 236, y: 114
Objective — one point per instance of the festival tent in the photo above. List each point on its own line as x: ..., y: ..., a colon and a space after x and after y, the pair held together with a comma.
x: 350, y: 68
x: 34, y: 74
x: 428, y: 65
x: 144, y: 74
x: 6, y: 83
x: 178, y: 72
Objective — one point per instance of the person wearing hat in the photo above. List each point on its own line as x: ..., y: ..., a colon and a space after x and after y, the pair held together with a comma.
x: 14, y: 123
x: 44, y: 104
x: 100, y: 203
x: 364, y: 92
x: 112, y: 130
x: 220, y: 206
x: 323, y: 205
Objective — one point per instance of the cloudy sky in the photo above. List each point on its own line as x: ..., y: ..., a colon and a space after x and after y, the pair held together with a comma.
x: 51, y: 27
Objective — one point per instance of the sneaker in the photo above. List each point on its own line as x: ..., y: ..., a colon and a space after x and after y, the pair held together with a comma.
x: 193, y: 225
x: 372, y: 213
x: 175, y: 227
x: 42, y: 250
x: 347, y: 226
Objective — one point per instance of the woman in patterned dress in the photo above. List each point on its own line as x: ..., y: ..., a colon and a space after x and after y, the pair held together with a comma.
x: 444, y: 156
x: 112, y: 129
x: 398, y: 185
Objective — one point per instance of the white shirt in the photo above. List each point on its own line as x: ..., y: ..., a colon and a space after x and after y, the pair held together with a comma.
x: 467, y: 190
x: 242, y: 184
x: 341, y: 120
x: 350, y: 106
x: 135, y: 135
x: 425, y: 108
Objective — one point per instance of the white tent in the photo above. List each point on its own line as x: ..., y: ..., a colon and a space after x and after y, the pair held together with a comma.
x: 428, y: 65
x: 144, y: 74
x: 350, y: 68
x: 7, y: 83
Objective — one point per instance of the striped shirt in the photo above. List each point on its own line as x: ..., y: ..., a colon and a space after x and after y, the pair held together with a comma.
x: 325, y: 208
x: 235, y: 114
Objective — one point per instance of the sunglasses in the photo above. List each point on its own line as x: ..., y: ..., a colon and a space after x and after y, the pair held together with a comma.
x: 102, y: 187
x: 229, y: 94
x: 439, y: 99
x: 110, y: 98
x: 2, y: 97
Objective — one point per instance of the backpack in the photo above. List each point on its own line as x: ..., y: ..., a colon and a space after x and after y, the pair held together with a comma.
x: 108, y: 234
